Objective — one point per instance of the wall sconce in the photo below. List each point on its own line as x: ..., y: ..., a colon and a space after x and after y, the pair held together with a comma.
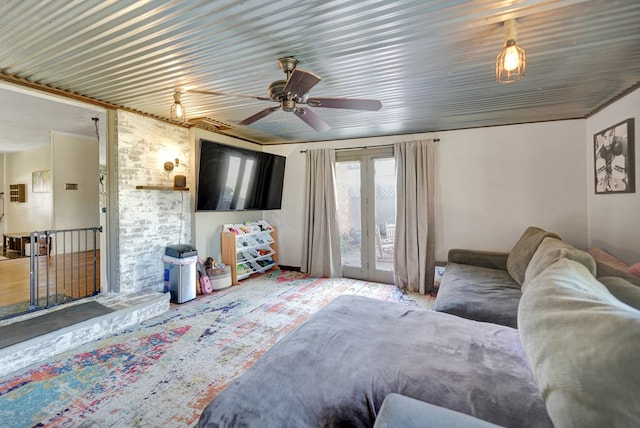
x: 177, y: 111
x: 168, y: 166
x: 511, y: 61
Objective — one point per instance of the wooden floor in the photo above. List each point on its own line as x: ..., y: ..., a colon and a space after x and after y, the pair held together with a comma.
x: 69, y: 275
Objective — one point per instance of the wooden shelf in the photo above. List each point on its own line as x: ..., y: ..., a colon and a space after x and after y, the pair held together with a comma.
x: 161, y: 188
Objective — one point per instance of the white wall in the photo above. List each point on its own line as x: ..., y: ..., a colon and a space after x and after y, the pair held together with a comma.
x: 614, y: 219
x: 491, y: 183
x: 35, y: 213
x: 75, y: 161
x: 494, y: 182
x: 289, y: 220
x: 207, y: 225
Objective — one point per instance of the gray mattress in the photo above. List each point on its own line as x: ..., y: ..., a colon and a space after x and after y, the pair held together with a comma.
x: 336, y: 369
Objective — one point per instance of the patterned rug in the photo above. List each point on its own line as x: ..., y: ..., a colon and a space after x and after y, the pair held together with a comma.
x: 164, y: 371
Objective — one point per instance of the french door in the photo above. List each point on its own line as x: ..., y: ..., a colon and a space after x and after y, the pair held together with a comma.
x: 366, y: 190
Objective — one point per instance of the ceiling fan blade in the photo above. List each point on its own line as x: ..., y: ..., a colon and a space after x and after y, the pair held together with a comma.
x: 225, y: 94
x: 348, y: 103
x: 300, y: 82
x: 312, y: 119
x: 259, y: 115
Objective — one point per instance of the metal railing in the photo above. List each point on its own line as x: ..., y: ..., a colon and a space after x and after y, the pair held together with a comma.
x: 64, y: 266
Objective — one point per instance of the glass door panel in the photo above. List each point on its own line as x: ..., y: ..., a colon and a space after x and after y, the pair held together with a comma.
x: 385, y: 203
x: 366, y: 210
x: 350, y: 213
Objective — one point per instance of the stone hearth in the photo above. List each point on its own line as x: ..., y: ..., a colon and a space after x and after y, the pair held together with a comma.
x: 129, y: 310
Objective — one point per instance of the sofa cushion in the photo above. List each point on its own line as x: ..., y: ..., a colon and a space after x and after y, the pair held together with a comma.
x: 550, y: 251
x: 479, y: 293
x: 583, y: 346
x: 488, y: 259
x: 400, y: 411
x: 625, y: 291
x: 606, y: 270
x: 524, y: 249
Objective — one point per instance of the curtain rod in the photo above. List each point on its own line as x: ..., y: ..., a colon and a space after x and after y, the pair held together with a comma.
x: 435, y: 140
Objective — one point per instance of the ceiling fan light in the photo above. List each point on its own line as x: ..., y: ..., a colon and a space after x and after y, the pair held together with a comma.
x: 511, y: 61
x: 288, y: 105
x: 177, y: 111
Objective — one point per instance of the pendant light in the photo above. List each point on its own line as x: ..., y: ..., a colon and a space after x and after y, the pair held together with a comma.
x: 511, y: 61
x: 177, y: 111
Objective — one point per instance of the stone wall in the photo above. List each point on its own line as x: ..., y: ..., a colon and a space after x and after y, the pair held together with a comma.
x: 149, y: 220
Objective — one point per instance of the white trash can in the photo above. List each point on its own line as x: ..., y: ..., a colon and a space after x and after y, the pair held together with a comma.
x: 181, y: 274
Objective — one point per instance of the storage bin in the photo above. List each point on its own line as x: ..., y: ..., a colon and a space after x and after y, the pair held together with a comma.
x: 220, y: 278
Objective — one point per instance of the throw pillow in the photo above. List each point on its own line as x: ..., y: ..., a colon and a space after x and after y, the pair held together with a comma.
x: 625, y: 291
x: 550, y: 251
x: 634, y: 270
x: 524, y: 249
x: 609, y: 259
x: 583, y: 346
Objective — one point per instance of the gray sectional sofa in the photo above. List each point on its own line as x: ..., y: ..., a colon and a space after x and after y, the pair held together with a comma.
x: 485, y: 286
x: 573, y: 361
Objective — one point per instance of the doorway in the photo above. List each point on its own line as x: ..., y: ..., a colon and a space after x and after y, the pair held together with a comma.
x: 366, y: 191
x: 57, y: 161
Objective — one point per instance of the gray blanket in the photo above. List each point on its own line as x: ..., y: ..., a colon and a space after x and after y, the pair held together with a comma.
x: 336, y: 369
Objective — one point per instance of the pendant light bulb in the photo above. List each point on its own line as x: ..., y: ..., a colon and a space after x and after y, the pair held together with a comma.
x: 177, y: 111
x: 511, y: 58
x: 511, y: 61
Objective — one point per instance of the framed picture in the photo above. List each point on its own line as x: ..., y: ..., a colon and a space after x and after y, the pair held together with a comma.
x: 614, y: 160
x: 41, y: 181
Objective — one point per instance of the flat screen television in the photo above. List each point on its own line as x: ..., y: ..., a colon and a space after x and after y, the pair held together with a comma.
x: 236, y: 179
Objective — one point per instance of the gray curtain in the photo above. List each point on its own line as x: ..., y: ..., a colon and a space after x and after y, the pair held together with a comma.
x: 414, y: 251
x: 321, y: 236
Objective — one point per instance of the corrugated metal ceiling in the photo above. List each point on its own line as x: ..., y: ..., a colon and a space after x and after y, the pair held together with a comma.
x: 431, y: 63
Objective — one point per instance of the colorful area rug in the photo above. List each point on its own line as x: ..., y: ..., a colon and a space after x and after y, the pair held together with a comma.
x: 164, y: 371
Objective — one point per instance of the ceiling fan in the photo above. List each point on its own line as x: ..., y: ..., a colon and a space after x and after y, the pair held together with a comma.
x: 292, y: 93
